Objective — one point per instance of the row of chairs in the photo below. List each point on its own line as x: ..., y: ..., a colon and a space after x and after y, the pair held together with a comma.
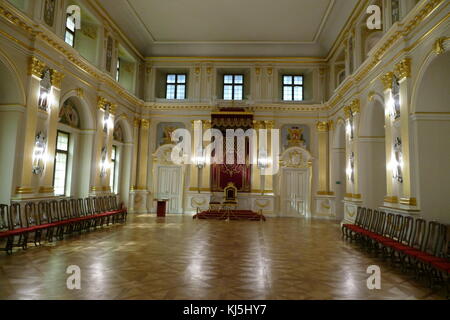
x: 404, y: 240
x: 53, y: 219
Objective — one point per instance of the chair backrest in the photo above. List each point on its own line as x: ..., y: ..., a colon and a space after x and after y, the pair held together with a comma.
x: 15, y: 216
x: 397, y: 228
x: 64, y: 210
x: 362, y: 215
x: 389, y: 226
x: 406, y: 230
x: 74, y: 210
x: 114, y: 203
x: 431, y: 243
x: 31, y: 215
x: 375, y: 218
x: 54, y: 211
x: 435, y: 238
x: 81, y: 207
x: 89, y: 206
x: 368, y: 219
x: 381, y: 223
x: 44, y: 212
x: 419, y: 235
x: 230, y: 192
x: 5, y: 223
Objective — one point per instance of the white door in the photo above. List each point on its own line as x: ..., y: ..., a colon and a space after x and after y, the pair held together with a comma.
x: 170, y: 187
x: 294, y: 197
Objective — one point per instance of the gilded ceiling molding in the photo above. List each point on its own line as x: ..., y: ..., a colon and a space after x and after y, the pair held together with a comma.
x: 403, y: 69
x: 387, y: 80
x: 36, y: 67
x: 371, y: 96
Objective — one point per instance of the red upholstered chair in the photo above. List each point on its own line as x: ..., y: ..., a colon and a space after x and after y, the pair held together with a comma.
x: 58, y: 229
x: 5, y: 228
x: 45, y: 220
x: 33, y: 234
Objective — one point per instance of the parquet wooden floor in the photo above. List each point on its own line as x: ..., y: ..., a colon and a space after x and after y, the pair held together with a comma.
x: 180, y: 258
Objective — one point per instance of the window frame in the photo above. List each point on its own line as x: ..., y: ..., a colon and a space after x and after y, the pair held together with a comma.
x: 176, y: 84
x: 73, y: 33
x: 67, y: 153
x: 293, y: 86
x: 233, y: 85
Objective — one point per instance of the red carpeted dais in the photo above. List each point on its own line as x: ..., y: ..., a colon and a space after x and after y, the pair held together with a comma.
x: 231, y: 215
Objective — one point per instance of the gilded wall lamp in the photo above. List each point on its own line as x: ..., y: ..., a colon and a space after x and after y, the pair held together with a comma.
x: 45, y: 89
x: 39, y: 153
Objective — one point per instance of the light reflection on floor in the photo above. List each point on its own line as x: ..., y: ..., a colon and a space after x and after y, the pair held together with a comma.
x: 180, y: 258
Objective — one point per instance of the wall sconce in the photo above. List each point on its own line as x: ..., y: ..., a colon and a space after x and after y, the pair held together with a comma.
x: 397, y: 161
x: 350, y: 128
x: 45, y: 91
x: 200, y: 161
x: 351, y: 168
x: 39, y: 153
x: 107, y: 119
x: 393, y: 104
x: 104, y: 165
x: 263, y: 163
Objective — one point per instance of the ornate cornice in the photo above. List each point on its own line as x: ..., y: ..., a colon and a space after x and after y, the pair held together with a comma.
x: 403, y: 69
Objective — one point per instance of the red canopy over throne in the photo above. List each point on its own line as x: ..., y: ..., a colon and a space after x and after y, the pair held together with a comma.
x: 238, y: 174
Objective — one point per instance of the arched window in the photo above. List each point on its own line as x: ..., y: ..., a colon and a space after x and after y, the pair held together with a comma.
x: 69, y: 37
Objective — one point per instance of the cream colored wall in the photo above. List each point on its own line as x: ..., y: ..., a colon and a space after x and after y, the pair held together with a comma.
x: 89, y: 82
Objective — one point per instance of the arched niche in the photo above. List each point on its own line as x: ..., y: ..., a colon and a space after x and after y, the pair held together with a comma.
x: 372, y: 152
x: 295, y: 182
x: 431, y: 144
x: 81, y: 133
x: 123, y: 145
x: 338, y: 167
x: 12, y: 107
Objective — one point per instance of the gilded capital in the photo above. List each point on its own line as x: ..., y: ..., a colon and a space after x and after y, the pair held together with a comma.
x: 36, y: 67
x: 403, y: 69
x: 145, y: 124
x: 323, y: 126
x: 57, y: 78
x: 387, y: 80
x: 101, y: 102
x: 347, y: 112
x: 113, y: 109
x: 355, y: 106
x: 136, y: 122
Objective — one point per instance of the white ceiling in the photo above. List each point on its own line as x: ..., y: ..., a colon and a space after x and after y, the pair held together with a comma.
x: 230, y: 27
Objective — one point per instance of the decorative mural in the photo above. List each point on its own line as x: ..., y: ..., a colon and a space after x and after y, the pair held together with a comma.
x: 49, y: 12
x: 109, y: 53
x: 69, y: 115
x: 295, y: 135
x: 164, y: 132
x: 118, y: 133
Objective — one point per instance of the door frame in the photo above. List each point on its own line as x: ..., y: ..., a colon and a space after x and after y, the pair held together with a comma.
x: 162, y: 158
x: 300, y: 159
